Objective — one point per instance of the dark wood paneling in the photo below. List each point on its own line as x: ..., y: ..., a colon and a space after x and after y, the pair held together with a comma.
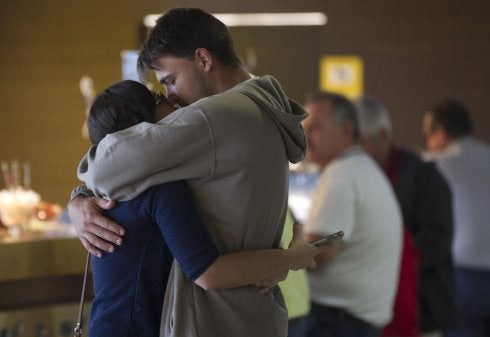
x: 415, y: 52
x: 42, y: 292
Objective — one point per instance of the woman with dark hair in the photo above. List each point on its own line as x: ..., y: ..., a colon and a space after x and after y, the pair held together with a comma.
x: 123, y: 105
x: 161, y: 224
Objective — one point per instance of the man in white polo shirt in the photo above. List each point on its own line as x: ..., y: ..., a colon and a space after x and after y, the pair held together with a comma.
x: 354, y: 285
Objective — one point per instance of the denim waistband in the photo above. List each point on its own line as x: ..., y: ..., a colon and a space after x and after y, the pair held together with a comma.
x: 341, y: 313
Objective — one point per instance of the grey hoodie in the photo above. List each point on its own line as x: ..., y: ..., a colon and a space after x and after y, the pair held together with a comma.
x: 233, y: 150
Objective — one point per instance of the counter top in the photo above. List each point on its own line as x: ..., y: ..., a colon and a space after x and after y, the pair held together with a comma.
x: 52, y: 251
x: 43, y: 267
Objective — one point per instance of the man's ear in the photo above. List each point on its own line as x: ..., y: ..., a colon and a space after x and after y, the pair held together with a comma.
x: 384, y: 136
x: 441, y: 137
x: 204, y: 59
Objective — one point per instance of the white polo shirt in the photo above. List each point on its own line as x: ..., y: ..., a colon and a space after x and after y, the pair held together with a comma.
x: 353, y: 195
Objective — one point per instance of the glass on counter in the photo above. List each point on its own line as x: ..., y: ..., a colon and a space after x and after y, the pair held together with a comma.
x: 17, y: 205
x: 17, y: 200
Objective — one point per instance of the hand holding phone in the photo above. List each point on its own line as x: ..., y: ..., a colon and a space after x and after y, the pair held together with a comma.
x: 328, y: 240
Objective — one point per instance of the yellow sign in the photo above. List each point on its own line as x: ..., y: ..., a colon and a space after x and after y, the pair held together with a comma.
x: 342, y: 74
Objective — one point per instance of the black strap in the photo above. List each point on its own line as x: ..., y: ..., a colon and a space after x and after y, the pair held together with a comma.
x: 77, y: 332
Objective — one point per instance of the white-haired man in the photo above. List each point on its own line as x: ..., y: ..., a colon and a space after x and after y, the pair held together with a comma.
x: 425, y: 200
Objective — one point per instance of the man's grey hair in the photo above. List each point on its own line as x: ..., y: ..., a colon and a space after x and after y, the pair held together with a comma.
x: 373, y: 116
x: 342, y: 109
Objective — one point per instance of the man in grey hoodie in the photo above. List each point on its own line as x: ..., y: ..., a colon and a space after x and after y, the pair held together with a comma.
x: 231, y: 141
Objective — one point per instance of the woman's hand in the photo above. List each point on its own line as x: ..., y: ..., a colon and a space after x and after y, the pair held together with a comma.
x: 265, y: 285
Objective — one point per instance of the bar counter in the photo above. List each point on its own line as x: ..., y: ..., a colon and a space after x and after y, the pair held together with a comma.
x: 41, y: 276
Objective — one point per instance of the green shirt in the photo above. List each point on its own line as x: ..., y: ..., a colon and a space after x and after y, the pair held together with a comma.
x: 295, y: 287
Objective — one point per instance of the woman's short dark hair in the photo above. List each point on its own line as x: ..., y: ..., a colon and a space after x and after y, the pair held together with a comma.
x: 453, y: 117
x: 118, y: 107
x: 180, y: 31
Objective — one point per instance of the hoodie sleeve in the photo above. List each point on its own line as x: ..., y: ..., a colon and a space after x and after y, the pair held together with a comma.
x: 126, y: 163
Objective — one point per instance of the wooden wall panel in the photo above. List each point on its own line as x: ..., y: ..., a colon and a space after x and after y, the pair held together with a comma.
x: 415, y: 52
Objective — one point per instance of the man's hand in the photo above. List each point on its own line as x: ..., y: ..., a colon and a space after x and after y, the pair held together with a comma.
x: 328, y: 251
x: 305, y: 255
x: 96, y: 232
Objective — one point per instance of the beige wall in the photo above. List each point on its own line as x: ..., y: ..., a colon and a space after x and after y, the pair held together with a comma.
x: 414, y: 52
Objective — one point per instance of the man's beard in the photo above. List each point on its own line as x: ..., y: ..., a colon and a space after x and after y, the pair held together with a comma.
x: 203, y: 87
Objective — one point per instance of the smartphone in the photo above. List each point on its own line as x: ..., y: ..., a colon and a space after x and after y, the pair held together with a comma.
x: 328, y: 240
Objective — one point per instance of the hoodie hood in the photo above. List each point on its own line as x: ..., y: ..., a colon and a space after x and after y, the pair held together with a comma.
x: 287, y: 114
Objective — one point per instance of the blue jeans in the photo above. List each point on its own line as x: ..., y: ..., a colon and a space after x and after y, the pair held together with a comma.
x: 473, y: 299
x: 297, y: 327
x: 333, y: 322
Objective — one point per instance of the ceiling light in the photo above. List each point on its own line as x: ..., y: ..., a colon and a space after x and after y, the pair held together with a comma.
x: 260, y: 19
